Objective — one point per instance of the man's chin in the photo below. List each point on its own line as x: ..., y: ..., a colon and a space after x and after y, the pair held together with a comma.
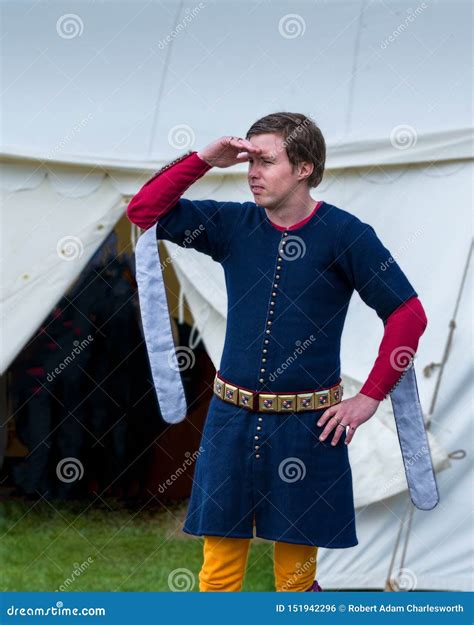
x: 267, y: 202
x: 268, y: 205
x: 259, y: 196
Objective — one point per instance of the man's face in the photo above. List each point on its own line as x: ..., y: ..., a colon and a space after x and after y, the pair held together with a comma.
x: 270, y: 174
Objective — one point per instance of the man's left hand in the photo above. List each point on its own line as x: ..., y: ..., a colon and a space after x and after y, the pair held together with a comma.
x: 349, y: 412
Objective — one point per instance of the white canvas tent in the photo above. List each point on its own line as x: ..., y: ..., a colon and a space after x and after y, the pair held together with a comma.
x: 95, y: 100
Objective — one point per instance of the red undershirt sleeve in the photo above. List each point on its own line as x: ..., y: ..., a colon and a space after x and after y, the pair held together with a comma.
x: 403, y: 329
x: 158, y: 196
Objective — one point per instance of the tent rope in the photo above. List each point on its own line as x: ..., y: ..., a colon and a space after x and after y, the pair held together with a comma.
x: 452, y: 327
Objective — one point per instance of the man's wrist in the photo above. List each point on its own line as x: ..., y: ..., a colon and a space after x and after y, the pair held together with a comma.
x: 203, y: 159
x: 368, y: 399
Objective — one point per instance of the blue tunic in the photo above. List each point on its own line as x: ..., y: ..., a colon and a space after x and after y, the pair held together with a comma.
x: 288, y: 295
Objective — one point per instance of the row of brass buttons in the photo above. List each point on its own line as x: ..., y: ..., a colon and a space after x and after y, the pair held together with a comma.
x: 272, y: 310
x: 268, y: 331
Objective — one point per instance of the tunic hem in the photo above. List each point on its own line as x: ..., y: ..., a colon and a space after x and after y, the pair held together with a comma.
x: 272, y: 538
x: 216, y: 534
x: 319, y: 544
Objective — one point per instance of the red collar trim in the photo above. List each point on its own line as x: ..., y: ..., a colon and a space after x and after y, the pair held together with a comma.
x: 300, y: 223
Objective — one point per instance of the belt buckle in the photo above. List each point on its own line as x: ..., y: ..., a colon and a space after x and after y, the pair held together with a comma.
x: 304, y: 401
x: 267, y: 402
x: 231, y: 393
x: 286, y: 403
x: 245, y: 399
x: 322, y: 399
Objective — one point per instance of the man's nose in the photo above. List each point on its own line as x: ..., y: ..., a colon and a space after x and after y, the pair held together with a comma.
x: 254, y: 170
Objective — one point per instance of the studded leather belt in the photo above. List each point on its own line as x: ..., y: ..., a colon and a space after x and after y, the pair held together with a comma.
x: 262, y: 401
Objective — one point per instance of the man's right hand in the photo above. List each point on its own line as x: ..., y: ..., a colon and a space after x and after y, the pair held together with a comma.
x: 228, y: 151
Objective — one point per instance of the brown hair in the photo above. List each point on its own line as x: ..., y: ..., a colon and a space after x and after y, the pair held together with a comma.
x: 302, y: 139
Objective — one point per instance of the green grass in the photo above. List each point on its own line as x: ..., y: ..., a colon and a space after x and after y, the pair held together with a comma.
x: 42, y: 543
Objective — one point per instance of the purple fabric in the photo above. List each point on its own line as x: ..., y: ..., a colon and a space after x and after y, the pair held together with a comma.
x: 315, y: 587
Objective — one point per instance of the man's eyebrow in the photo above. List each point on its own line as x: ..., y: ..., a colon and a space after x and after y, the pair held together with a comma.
x: 270, y: 157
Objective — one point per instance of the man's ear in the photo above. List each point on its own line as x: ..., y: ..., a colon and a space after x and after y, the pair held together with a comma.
x: 305, y: 169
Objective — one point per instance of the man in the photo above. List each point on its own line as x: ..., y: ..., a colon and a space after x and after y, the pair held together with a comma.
x: 275, y: 440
